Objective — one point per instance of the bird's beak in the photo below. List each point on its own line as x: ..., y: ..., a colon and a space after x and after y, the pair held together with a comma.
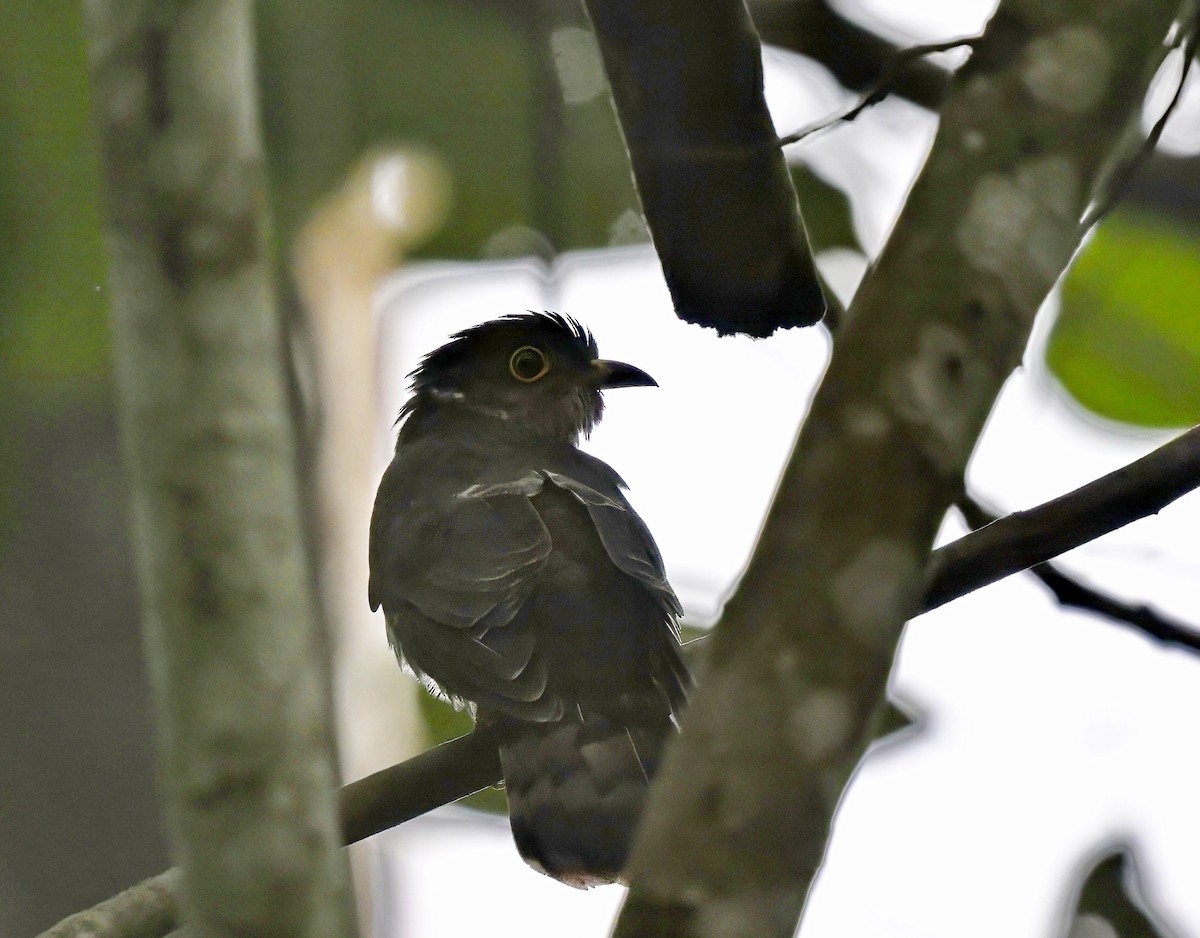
x: 619, y: 375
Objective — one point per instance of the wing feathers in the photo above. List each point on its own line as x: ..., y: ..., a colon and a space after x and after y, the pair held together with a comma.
x: 626, y: 539
x: 463, y: 563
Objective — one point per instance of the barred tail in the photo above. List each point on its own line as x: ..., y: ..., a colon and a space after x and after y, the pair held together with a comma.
x: 576, y: 789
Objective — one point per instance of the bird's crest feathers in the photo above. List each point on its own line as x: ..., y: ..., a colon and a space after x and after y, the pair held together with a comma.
x: 515, y: 326
x: 471, y: 344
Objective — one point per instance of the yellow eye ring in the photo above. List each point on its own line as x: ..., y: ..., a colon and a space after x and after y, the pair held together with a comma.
x: 528, y: 363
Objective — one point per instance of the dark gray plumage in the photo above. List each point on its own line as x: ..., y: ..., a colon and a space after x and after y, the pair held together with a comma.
x: 515, y: 577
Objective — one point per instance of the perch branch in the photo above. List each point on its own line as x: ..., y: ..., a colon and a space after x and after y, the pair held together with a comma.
x: 407, y: 790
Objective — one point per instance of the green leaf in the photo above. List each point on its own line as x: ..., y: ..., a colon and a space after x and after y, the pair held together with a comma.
x: 1126, y: 345
x: 826, y: 211
x: 53, y: 330
x: 1112, y: 894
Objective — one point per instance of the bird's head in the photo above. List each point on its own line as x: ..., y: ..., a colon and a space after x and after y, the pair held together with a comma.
x: 538, y: 371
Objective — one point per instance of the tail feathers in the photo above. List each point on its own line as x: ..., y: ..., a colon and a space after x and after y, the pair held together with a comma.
x: 576, y: 792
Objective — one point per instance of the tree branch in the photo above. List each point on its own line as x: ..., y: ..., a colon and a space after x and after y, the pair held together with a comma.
x: 1026, y: 538
x: 902, y: 60
x: 687, y: 85
x: 857, y: 57
x: 148, y: 910
x: 407, y: 790
x: 1122, y: 177
x: 1070, y: 592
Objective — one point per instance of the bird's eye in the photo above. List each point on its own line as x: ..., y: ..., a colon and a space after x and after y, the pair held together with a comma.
x: 528, y: 364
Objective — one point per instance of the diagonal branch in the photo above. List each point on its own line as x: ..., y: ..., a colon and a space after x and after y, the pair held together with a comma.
x: 740, y: 813
x: 1026, y: 538
x: 856, y: 56
x: 883, y: 86
x: 148, y: 910
x: 1122, y: 178
x: 439, y: 776
x: 1070, y: 592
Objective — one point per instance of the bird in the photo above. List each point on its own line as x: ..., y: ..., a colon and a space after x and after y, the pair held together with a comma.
x: 518, y: 582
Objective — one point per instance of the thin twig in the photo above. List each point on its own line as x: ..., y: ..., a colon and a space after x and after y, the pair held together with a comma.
x: 882, y: 87
x: 1187, y: 43
x: 854, y: 55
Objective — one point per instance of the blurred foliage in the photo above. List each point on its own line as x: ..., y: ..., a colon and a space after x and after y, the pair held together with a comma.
x: 827, y: 215
x: 1110, y: 895
x: 1127, y: 342
x: 475, y: 83
x: 470, y: 81
x: 53, y: 332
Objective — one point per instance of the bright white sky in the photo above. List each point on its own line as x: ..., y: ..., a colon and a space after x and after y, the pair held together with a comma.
x: 1047, y: 734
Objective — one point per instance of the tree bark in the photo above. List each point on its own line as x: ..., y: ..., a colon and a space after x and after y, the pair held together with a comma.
x: 740, y: 814
x: 148, y: 910
x: 230, y: 622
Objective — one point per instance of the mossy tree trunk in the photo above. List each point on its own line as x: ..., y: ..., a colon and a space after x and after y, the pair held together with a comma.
x: 230, y: 620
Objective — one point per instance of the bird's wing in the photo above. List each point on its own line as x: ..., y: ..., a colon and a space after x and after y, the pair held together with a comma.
x: 626, y: 539
x: 463, y: 558
x: 630, y: 546
x: 451, y: 565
